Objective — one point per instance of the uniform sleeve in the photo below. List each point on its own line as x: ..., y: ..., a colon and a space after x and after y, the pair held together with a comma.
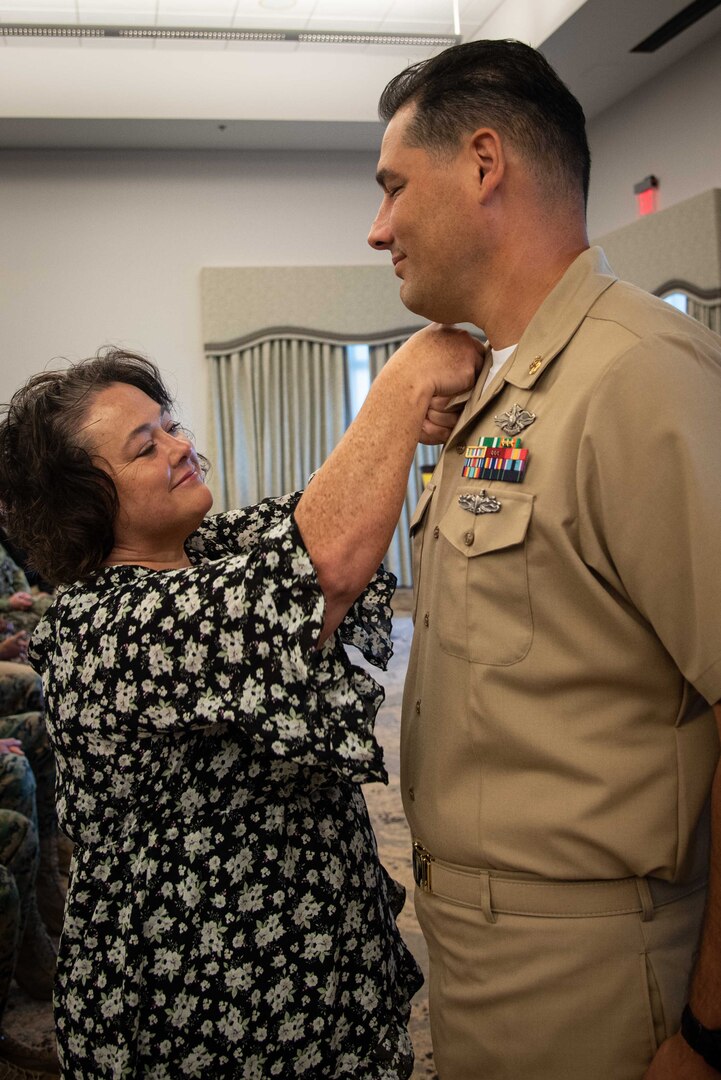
x: 15, y: 575
x: 649, y: 495
x: 229, y: 642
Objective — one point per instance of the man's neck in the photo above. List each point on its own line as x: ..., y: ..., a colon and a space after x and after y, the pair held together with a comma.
x: 520, y: 282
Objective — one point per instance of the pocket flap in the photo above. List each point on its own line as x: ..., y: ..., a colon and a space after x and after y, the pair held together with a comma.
x: 421, y: 507
x: 475, y: 534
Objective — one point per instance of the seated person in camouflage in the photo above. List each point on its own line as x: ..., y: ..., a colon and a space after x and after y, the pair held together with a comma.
x: 13, y: 644
x: 26, y: 951
x: 22, y: 718
x: 16, y: 598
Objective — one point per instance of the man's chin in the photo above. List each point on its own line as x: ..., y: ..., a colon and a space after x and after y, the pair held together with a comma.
x: 427, y: 307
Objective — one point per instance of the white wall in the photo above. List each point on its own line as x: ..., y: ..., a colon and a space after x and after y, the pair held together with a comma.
x: 671, y: 128
x: 101, y: 247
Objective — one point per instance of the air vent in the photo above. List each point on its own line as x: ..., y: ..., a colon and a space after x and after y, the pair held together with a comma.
x: 675, y: 26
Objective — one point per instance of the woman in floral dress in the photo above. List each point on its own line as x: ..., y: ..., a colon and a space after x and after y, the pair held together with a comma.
x: 227, y: 914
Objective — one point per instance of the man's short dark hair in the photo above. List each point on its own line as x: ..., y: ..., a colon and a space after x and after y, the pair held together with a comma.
x: 504, y: 85
x: 57, y: 503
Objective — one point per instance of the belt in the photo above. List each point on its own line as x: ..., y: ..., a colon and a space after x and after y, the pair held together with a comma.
x: 496, y: 893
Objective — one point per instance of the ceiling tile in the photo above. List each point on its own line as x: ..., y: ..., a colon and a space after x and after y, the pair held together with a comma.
x: 367, y: 10
x: 58, y: 13
x: 412, y: 11
x: 298, y: 9
x: 477, y: 10
x: 28, y: 7
x: 89, y: 9
x: 265, y: 22
x: 198, y: 8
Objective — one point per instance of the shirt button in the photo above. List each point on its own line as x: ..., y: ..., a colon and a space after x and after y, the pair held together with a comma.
x: 468, y: 539
x: 411, y: 794
x: 418, y: 706
x: 426, y: 619
x: 436, y: 533
x: 461, y: 449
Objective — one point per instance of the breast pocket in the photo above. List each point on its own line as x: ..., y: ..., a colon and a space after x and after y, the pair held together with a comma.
x: 485, y: 607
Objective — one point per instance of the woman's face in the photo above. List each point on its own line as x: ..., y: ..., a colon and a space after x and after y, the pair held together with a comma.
x: 161, y: 491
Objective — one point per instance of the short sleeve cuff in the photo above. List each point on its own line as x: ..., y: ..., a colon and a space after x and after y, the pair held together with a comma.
x: 708, y: 683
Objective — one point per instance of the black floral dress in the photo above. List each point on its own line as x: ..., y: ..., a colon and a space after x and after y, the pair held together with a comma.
x: 227, y: 913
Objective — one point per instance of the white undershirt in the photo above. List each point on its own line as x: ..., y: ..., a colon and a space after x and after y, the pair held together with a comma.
x: 498, y: 359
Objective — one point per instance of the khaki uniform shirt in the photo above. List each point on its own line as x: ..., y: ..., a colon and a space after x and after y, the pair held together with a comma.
x: 556, y: 715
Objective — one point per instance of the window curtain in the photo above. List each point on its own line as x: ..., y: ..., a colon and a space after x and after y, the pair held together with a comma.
x: 278, y: 407
x: 707, y: 312
x: 398, y: 557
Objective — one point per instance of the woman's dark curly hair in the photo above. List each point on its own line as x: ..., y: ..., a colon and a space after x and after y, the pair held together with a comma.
x: 57, y: 505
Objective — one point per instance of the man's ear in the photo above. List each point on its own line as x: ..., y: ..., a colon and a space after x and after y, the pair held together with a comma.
x: 490, y: 160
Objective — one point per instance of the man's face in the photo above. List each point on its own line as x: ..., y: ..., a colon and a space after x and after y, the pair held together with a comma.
x: 429, y: 221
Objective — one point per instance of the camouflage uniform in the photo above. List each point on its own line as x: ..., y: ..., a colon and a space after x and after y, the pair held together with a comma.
x: 18, y: 866
x: 24, y: 943
x: 21, y: 717
x: 12, y: 580
x: 26, y: 787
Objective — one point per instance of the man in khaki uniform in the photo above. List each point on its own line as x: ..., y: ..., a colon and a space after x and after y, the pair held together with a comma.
x: 558, y: 745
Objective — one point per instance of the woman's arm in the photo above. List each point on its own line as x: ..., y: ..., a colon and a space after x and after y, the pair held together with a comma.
x: 348, y: 513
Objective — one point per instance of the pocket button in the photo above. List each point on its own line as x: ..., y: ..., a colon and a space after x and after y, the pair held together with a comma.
x: 468, y: 539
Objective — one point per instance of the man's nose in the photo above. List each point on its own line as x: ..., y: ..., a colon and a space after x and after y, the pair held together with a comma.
x: 380, y: 236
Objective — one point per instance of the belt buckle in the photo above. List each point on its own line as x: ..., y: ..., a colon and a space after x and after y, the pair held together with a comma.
x: 422, y: 860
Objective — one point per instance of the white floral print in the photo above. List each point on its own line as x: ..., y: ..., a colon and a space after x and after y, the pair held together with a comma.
x: 227, y: 915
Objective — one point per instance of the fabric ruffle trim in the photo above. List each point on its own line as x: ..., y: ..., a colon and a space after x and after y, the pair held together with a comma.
x: 367, y: 625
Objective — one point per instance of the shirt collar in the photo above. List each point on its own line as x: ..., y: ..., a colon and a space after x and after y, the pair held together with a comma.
x: 559, y: 317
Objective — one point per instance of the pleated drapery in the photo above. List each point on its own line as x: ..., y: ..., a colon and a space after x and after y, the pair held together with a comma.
x: 278, y: 406
x: 707, y: 312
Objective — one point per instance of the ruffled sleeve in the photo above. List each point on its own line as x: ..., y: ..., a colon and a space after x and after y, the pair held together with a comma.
x: 367, y: 625
x: 140, y: 653
x: 235, y: 531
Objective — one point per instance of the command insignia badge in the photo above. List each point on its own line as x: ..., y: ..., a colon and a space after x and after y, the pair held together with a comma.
x: 515, y: 420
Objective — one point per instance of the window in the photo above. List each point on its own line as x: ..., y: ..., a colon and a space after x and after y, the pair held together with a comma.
x: 678, y: 300
x: 359, y: 376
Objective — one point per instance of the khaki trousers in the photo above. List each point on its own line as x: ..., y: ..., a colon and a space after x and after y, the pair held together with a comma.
x: 531, y: 997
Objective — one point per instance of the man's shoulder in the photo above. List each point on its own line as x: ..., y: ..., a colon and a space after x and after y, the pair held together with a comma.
x: 643, y: 315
